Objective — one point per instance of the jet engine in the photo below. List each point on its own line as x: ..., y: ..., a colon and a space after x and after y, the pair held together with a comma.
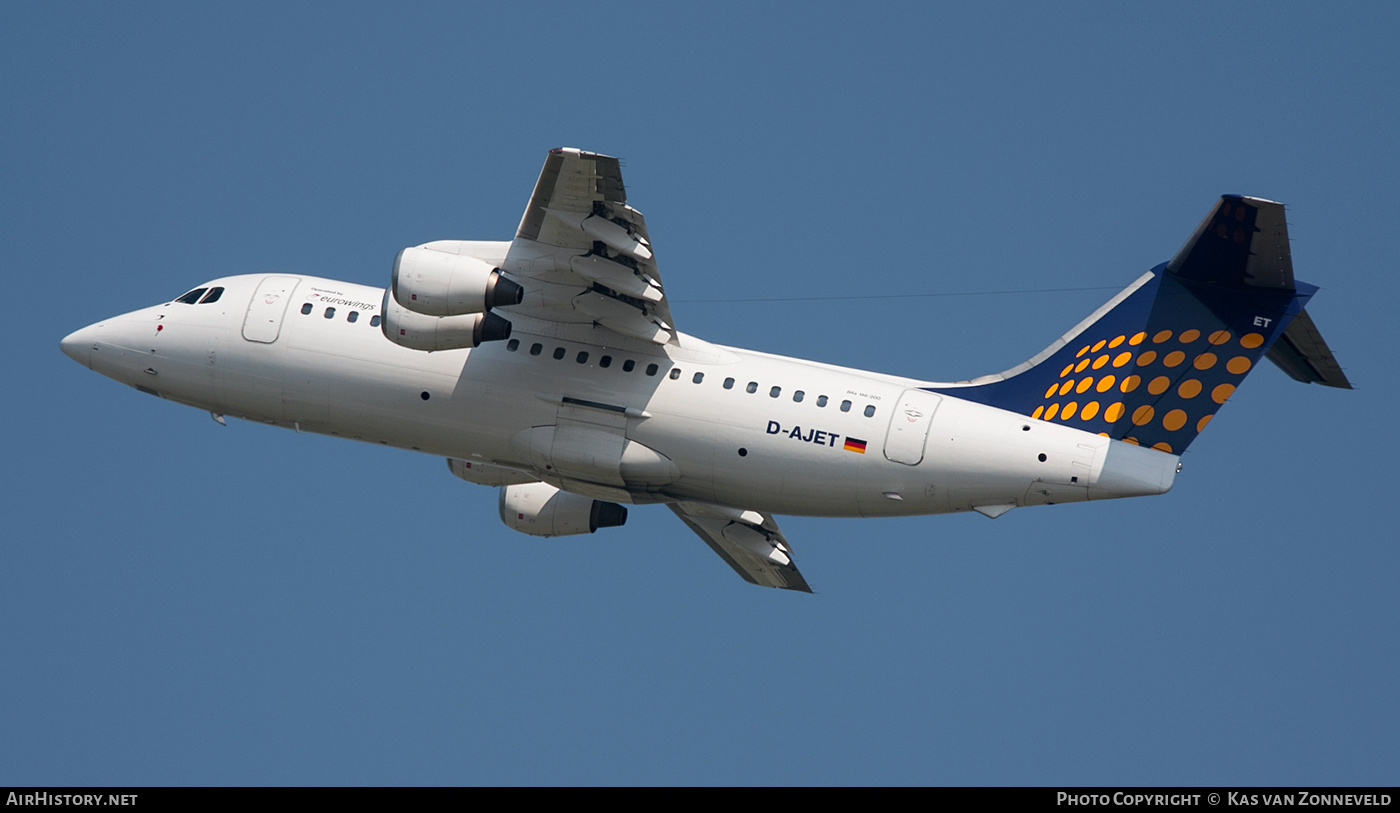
x: 540, y: 509
x: 438, y: 283
x: 418, y: 332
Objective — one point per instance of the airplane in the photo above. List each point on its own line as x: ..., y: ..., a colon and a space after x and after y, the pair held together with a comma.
x: 549, y: 366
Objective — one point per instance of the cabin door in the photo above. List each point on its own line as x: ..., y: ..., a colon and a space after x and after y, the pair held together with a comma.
x: 908, y: 432
x: 265, y: 311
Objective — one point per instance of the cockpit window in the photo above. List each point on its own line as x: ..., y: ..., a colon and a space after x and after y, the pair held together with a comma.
x: 193, y: 296
x: 212, y: 296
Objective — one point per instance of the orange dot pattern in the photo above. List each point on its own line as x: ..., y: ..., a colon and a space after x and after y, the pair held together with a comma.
x: 1159, y: 390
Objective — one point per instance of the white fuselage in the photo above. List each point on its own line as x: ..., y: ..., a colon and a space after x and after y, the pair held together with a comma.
x: 751, y: 444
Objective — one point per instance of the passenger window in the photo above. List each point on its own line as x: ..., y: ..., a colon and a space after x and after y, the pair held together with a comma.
x: 675, y: 373
x: 775, y: 392
x: 798, y: 396
x: 330, y: 313
x: 605, y: 362
x: 628, y: 366
x: 558, y: 353
x: 582, y: 357
x: 305, y: 309
x: 821, y: 400
x: 845, y: 406
x: 374, y: 321
x: 729, y: 383
x: 698, y: 377
x: 212, y: 296
x: 193, y: 296
x: 513, y: 345
x: 752, y: 387
x: 536, y: 348
x: 353, y: 317
x: 651, y: 369
x: 870, y: 411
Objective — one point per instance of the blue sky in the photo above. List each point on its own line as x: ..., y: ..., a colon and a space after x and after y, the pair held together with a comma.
x: 187, y: 603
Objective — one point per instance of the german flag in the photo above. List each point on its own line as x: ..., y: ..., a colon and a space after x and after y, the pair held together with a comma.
x: 853, y: 445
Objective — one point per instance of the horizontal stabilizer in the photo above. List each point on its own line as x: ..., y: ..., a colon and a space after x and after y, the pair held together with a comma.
x: 1304, y: 355
x: 1243, y: 241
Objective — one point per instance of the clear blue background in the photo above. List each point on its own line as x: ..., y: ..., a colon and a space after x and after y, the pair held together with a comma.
x: 187, y: 603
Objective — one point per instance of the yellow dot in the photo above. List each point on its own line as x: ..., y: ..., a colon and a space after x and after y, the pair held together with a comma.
x: 1037, y: 413
x: 1239, y: 365
x: 1103, y: 434
x: 1189, y: 388
x: 1113, y: 413
x: 1159, y: 385
x: 1204, y: 361
x: 1222, y: 392
x: 1082, y: 351
x: 1122, y: 358
x: 1190, y: 336
x: 1050, y: 393
x: 1084, y: 384
x: 1100, y: 362
x: 1117, y: 342
x: 1174, y: 358
x: 1050, y: 413
x: 1251, y: 340
x: 1105, y: 384
x: 1163, y: 447
x: 1219, y: 337
x: 1137, y: 339
x: 1069, y: 368
x: 1133, y: 441
x: 1099, y: 345
x: 1079, y: 368
x: 1201, y: 424
x: 1147, y: 358
x: 1068, y: 411
x: 1065, y: 387
x: 1143, y: 415
x: 1089, y: 411
x: 1161, y: 336
x: 1174, y: 420
x: 1130, y: 383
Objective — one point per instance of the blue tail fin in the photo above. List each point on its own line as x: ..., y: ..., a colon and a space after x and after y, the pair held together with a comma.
x: 1154, y: 364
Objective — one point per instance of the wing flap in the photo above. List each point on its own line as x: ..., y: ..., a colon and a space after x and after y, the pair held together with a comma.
x: 747, y: 541
x: 587, y: 251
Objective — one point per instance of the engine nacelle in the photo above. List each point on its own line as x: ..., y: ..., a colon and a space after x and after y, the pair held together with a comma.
x: 437, y: 283
x: 540, y: 509
x: 418, y: 332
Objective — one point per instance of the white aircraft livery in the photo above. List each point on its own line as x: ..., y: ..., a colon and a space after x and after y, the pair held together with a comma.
x: 550, y: 367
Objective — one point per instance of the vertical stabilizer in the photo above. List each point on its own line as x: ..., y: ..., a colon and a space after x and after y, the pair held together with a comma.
x: 1154, y: 364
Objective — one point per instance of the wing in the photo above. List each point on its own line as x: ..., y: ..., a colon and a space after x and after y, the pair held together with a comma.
x: 583, y: 255
x: 748, y: 541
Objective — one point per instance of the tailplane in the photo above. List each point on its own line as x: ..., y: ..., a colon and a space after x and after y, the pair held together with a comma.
x: 1156, y: 362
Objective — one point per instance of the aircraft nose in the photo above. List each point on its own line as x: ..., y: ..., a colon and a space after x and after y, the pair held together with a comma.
x: 78, y: 345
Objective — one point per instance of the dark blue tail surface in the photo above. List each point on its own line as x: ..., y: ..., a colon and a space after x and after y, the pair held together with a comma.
x: 1154, y: 365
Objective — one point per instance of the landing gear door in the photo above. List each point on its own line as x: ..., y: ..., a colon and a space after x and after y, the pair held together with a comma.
x: 264, y: 320
x: 909, y: 425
